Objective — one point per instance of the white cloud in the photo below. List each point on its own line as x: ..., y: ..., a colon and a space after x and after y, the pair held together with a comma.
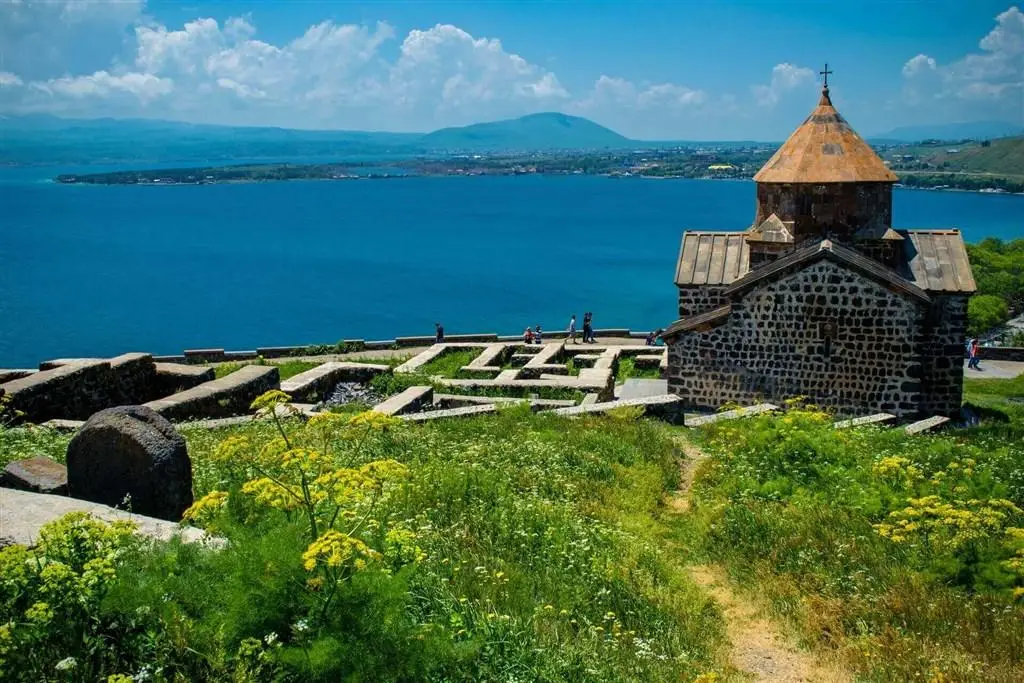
x: 980, y: 84
x: 9, y: 80
x: 785, y: 77
x: 621, y: 93
x: 331, y: 75
x: 916, y: 65
x: 145, y: 87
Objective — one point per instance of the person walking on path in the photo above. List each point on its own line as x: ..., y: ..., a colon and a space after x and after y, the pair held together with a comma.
x: 588, y: 329
x: 572, y: 328
x: 438, y: 333
x: 972, y: 354
x: 537, y: 338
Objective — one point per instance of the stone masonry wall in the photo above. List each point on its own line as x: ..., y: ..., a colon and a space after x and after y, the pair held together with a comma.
x: 942, y: 343
x: 832, y: 209
x: 773, y: 347
x: 700, y: 299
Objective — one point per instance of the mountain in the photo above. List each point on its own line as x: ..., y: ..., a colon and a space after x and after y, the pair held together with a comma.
x: 527, y: 133
x: 1004, y: 156
x: 975, y: 130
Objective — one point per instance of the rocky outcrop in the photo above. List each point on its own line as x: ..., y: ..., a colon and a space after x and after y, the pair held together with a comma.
x: 133, y: 458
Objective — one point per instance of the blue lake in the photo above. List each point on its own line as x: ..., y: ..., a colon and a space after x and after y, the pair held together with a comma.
x: 102, y: 270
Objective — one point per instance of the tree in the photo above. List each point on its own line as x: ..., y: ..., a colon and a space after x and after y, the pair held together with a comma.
x: 984, y: 312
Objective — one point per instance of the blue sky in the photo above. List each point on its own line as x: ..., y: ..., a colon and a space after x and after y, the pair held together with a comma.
x: 651, y: 70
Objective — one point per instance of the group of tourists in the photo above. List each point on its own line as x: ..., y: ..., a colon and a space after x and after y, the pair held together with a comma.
x: 588, y: 329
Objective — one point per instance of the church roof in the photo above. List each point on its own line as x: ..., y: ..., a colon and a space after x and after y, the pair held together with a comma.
x: 825, y: 149
x: 937, y: 260
x: 699, y: 322
x: 834, y: 252
x: 933, y: 260
x: 712, y: 258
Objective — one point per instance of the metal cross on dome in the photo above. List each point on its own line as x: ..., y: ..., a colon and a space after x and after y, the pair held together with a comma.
x: 825, y: 73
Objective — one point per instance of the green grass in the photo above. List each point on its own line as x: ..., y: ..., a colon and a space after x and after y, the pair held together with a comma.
x: 791, y: 508
x: 450, y: 362
x: 628, y: 369
x: 225, y: 369
x: 540, y: 558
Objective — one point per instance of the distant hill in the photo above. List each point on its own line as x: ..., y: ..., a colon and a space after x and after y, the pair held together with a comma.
x: 527, y: 133
x: 1000, y: 157
x: 976, y: 130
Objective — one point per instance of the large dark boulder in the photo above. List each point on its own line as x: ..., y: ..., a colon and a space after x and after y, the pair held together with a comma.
x: 131, y: 451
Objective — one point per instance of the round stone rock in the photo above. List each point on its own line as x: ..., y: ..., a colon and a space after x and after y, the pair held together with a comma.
x: 132, y: 458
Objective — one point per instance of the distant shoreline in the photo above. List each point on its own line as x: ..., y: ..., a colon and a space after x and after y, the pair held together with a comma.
x: 166, y: 177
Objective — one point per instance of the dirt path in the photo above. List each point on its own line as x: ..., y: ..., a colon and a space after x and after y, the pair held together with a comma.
x: 756, y: 645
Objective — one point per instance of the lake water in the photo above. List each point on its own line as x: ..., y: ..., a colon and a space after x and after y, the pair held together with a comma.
x: 88, y: 271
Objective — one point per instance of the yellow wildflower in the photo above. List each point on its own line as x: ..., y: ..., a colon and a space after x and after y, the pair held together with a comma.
x: 335, y: 549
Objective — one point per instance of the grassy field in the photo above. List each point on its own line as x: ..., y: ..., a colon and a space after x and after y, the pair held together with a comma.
x: 525, y: 547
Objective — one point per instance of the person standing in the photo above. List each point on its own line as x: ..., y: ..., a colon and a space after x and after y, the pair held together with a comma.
x: 438, y: 333
x: 572, y: 328
x: 537, y: 338
x: 527, y: 336
x: 972, y: 354
x: 587, y: 329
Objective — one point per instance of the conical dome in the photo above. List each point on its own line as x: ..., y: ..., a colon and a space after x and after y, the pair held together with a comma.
x: 825, y: 149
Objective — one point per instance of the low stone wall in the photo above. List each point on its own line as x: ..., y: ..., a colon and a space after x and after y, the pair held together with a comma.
x: 668, y: 407
x: 229, y: 395
x: 314, y: 384
x: 1010, y: 353
x: 174, y: 377
x: 412, y: 400
x: 77, y: 388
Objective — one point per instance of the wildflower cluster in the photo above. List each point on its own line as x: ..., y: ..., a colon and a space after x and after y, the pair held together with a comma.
x: 50, y: 594
x: 952, y: 525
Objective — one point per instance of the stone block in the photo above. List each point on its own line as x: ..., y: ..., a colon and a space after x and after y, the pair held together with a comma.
x: 737, y: 413
x: 60, y: 425
x: 466, y: 411
x: 131, y: 452
x: 411, y: 400
x: 927, y: 424
x: 204, y: 355
x: 174, y: 377
x: 39, y: 474
x: 316, y: 383
x: 667, y: 407
x: 876, y: 419
x: 229, y: 395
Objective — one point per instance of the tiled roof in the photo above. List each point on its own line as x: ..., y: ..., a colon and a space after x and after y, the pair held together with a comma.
x: 835, y: 252
x: 937, y: 260
x: 825, y: 149
x: 710, y: 318
x: 712, y: 258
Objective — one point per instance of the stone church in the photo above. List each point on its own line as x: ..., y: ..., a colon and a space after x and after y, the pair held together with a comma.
x: 821, y: 297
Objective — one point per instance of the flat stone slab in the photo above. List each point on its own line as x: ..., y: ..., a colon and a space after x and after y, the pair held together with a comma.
x: 301, y: 410
x: 877, y: 418
x: 544, y: 355
x: 24, y: 513
x: 62, y: 425
x: 411, y: 400
x: 500, y: 400
x: 589, y: 400
x: 229, y: 395
x: 466, y: 411
x: 668, y: 407
x: 926, y: 424
x: 737, y: 413
x: 314, y: 384
x: 174, y: 377
x: 39, y: 474
x: 639, y: 388
x: 491, y: 353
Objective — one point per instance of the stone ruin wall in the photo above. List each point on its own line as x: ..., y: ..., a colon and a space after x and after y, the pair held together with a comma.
x: 771, y: 347
x: 835, y: 209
